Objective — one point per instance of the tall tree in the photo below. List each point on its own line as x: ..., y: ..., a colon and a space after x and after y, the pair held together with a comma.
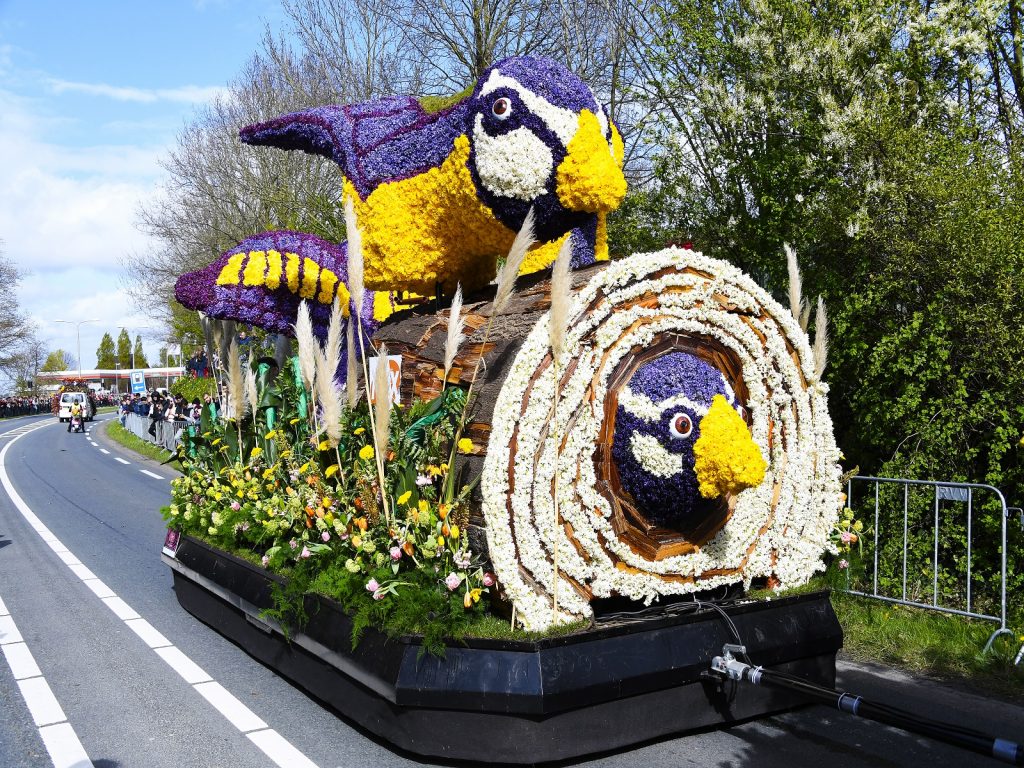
x: 15, y: 328
x: 140, y: 353
x: 106, y: 355
x: 124, y: 350
x: 58, y: 360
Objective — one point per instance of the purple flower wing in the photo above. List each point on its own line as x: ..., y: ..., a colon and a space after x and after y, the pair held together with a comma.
x: 273, y: 309
x: 374, y: 142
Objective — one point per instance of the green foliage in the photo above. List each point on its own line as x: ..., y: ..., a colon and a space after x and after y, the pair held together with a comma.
x: 105, y: 355
x: 140, y: 354
x: 124, y: 350
x: 194, y: 388
x: 270, y: 484
x: 866, y: 134
x: 58, y: 360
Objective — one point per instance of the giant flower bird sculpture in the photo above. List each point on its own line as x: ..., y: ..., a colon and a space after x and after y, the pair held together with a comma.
x: 439, y: 195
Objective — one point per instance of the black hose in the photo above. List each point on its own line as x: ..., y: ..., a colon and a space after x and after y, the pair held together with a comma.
x: 966, y: 738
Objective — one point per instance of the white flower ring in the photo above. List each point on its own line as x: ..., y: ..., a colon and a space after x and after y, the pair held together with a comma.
x: 777, y: 531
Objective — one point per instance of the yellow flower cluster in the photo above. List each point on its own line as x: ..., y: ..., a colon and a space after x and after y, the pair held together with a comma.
x: 267, y: 268
x: 726, y: 459
x: 420, y: 231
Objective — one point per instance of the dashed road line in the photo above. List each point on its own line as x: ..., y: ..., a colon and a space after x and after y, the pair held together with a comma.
x: 151, y: 474
x: 268, y: 740
x: 104, y: 450
x: 59, y: 737
x: 118, y: 458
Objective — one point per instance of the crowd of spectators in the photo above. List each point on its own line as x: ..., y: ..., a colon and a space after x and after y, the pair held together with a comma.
x: 23, y: 406
x: 159, y: 407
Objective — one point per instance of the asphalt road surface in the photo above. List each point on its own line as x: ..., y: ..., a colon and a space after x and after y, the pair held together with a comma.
x: 102, y: 667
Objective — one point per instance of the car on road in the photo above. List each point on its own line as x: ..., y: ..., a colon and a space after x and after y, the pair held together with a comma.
x: 67, y: 398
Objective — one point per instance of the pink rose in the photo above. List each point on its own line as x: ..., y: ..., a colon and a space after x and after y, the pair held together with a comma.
x: 396, y: 553
x: 378, y: 595
x: 488, y: 579
x: 235, y: 506
x: 372, y: 586
x: 452, y: 582
x: 843, y: 565
x: 325, y: 536
x: 293, y: 544
x: 846, y: 537
x: 265, y: 561
x: 305, y: 552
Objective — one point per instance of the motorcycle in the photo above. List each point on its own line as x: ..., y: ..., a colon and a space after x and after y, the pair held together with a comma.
x: 77, y: 425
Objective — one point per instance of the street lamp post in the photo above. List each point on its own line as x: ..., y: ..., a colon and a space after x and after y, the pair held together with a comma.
x: 78, y: 333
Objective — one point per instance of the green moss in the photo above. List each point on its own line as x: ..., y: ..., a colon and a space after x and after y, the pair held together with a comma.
x: 432, y: 104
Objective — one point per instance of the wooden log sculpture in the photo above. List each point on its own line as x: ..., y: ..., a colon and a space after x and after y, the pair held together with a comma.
x: 657, y: 493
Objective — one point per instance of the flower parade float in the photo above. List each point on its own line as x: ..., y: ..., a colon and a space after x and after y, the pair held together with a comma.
x: 537, y: 552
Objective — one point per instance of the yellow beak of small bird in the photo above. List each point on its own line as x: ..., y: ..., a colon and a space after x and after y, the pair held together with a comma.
x: 590, y: 177
x: 726, y: 458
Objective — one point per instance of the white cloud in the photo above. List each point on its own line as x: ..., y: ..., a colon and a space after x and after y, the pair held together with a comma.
x: 79, y: 294
x: 187, y: 94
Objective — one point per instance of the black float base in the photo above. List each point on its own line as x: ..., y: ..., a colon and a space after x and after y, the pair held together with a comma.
x: 517, y: 702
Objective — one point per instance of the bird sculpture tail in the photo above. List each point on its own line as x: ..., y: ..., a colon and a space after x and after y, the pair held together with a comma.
x: 261, y: 281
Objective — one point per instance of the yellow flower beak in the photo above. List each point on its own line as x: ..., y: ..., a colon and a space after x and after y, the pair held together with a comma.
x: 590, y: 177
x: 726, y: 458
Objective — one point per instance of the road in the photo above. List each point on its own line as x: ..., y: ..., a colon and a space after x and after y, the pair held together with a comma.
x: 102, y: 667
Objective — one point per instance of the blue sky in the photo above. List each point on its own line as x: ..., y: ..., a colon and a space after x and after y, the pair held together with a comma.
x: 92, y: 94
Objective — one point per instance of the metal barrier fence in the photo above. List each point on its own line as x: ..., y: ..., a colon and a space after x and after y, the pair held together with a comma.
x: 960, y: 493
x: 167, y: 433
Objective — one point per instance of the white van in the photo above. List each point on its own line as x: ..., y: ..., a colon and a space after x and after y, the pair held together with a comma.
x: 67, y: 398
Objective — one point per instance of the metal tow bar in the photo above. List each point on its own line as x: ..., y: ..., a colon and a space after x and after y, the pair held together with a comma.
x: 732, y: 668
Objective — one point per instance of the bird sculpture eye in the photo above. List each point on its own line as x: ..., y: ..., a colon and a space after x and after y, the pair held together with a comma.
x: 681, y: 426
x: 502, y: 108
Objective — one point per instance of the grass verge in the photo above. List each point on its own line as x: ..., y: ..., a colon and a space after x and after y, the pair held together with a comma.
x: 123, y: 437
x: 938, y: 645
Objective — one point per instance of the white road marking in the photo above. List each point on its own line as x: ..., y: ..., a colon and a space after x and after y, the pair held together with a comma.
x: 104, y: 450
x: 59, y: 738
x: 280, y: 751
x: 9, y: 631
x: 62, y: 742
x: 21, y: 661
x: 98, y: 588
x: 150, y: 635
x: 118, y: 458
x: 183, y: 665
x: 151, y: 474
x: 42, y: 704
x: 243, y: 718
x: 65, y: 749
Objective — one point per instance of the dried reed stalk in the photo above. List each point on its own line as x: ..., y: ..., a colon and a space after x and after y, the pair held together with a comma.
x: 820, y: 340
x: 798, y: 305
x: 351, y: 363
x: 455, y: 337
x: 381, y: 420
x: 510, y: 269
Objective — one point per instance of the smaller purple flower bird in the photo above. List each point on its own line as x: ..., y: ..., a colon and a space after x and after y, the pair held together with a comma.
x: 657, y: 424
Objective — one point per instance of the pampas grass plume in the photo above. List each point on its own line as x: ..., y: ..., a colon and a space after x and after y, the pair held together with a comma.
x: 327, y: 363
x: 510, y: 269
x: 354, y: 239
x: 381, y: 402
x: 308, y: 346
x: 797, y: 304
x: 351, y: 364
x: 560, y: 290
x: 252, y: 397
x: 820, y: 340
x: 456, y: 324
